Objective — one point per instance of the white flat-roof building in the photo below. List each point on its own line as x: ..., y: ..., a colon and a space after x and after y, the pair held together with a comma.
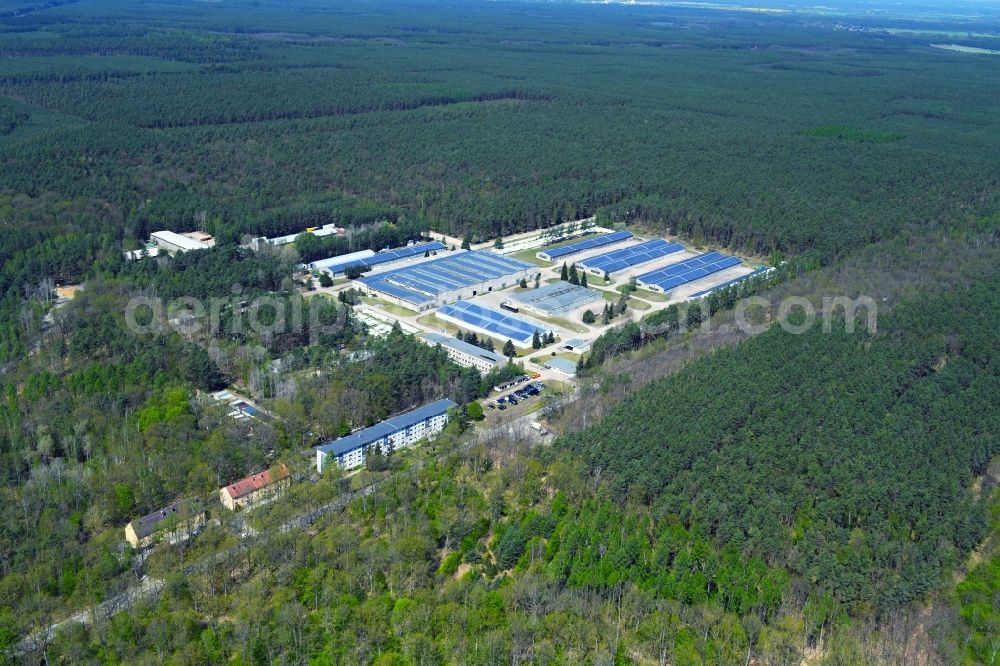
x: 465, y: 353
x: 325, y: 230
x: 395, y: 433
x: 141, y: 253
x: 174, y: 242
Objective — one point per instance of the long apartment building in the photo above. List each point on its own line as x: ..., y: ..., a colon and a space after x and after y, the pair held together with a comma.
x: 389, y: 435
x: 466, y: 354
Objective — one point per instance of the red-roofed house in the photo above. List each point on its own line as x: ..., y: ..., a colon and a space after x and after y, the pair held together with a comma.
x: 253, y: 489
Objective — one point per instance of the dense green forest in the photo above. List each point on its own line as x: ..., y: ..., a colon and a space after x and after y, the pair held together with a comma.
x: 846, y: 458
x: 830, y: 498
x: 759, y: 134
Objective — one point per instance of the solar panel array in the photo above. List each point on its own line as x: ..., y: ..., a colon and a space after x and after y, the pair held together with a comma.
x: 423, y: 282
x: 387, y: 256
x: 557, y: 298
x: 728, y: 283
x: 588, y: 244
x: 493, y: 321
x: 683, y: 272
x: 628, y: 257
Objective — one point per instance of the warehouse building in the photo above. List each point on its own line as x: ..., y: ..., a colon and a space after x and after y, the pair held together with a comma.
x: 175, y: 242
x: 557, y: 299
x: 173, y: 524
x: 594, y: 242
x: 502, y: 325
x: 253, y: 490
x: 562, y: 365
x: 457, y: 275
x: 466, y: 354
x: 389, y: 435
x: 357, y: 257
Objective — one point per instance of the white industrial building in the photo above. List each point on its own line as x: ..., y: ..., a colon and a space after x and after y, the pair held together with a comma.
x: 389, y: 435
x: 325, y: 230
x: 465, y: 353
x: 141, y: 253
x: 172, y: 241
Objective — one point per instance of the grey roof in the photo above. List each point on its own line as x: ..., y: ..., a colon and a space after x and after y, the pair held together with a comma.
x: 558, y: 296
x: 389, y: 426
x: 148, y: 524
x: 464, y: 347
x: 561, y: 364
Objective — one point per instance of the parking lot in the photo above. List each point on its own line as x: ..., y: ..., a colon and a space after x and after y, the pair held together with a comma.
x: 514, y: 396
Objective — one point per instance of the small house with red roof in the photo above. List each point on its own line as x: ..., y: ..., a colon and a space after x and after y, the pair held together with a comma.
x: 254, y: 489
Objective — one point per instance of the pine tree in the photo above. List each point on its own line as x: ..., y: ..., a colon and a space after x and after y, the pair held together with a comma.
x: 574, y: 278
x: 508, y: 349
x: 538, y: 280
x: 536, y: 341
x: 564, y: 274
x: 583, y: 279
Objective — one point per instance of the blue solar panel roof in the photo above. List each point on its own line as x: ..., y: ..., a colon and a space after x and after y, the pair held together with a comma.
x: 386, y: 256
x: 493, y: 321
x: 687, y: 271
x: 627, y: 257
x: 728, y: 283
x: 389, y: 426
x: 588, y: 244
x: 456, y: 270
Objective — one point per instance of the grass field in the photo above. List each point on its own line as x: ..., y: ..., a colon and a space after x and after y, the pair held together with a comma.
x: 391, y: 308
x: 529, y: 256
x: 647, y: 295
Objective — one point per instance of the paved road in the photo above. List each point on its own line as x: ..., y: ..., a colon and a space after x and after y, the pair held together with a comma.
x: 146, y: 588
